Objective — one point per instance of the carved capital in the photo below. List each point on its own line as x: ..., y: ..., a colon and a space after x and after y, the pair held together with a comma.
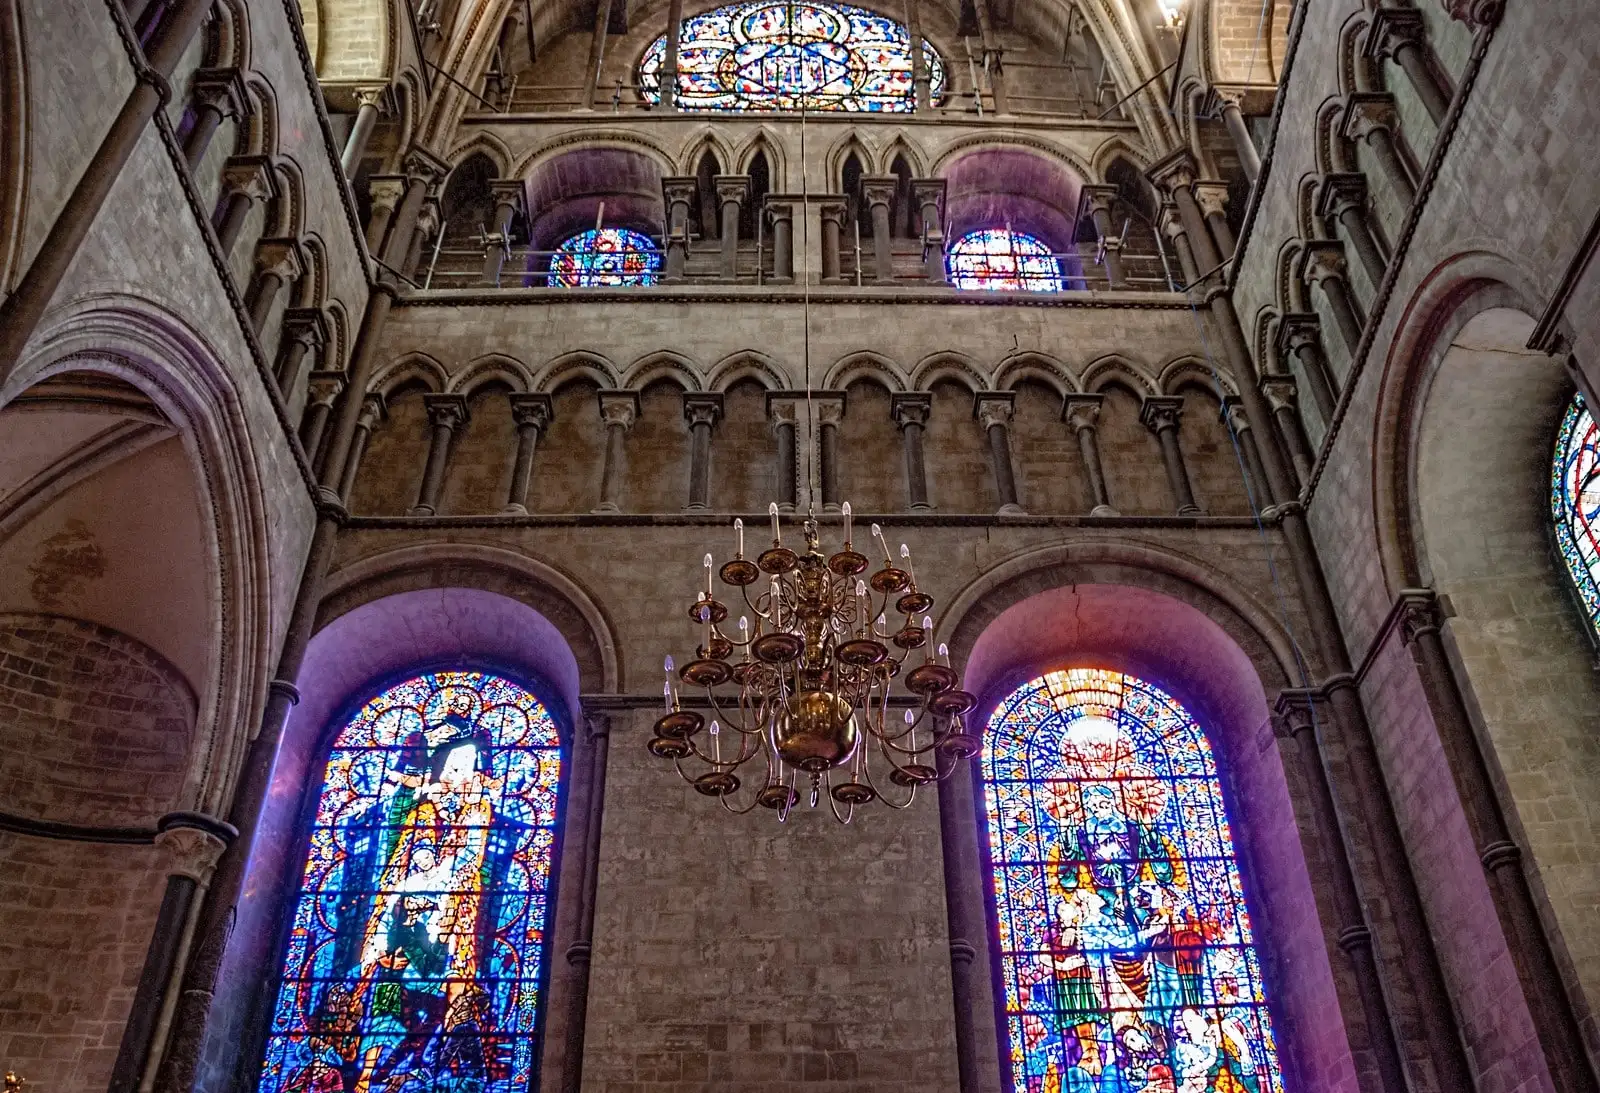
x: 878, y: 190
x: 620, y: 408
x: 373, y: 410
x: 597, y: 723
x: 1098, y: 198
x: 1082, y: 411
x: 1233, y: 415
x: 1324, y: 260
x: 1279, y: 391
x: 1222, y: 99
x: 731, y: 188
x: 1294, y: 713
x: 386, y: 191
x: 779, y: 210
x: 446, y: 411
x: 679, y: 191
x: 1420, y: 613
x: 192, y: 842
x: 532, y: 411
x: 1212, y: 197
x: 1340, y: 191
x: 928, y: 191
x: 1174, y: 172
x: 1161, y: 412
x: 1367, y: 113
x: 829, y: 406
x: 993, y: 408
x: 421, y: 165
x: 323, y: 386
x: 1171, y: 223
x: 249, y: 176
x: 702, y: 408
x: 509, y: 192
x: 1299, y: 330
x: 1391, y: 30
x: 911, y: 407
x: 832, y: 211
x: 281, y: 257
x: 222, y: 89
x: 373, y: 96
x: 306, y: 325
x: 783, y: 409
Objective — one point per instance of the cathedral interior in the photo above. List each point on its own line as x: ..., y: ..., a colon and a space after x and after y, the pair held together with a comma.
x: 1107, y: 491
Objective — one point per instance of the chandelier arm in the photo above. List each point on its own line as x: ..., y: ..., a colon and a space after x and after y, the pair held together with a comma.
x: 723, y: 801
x: 722, y: 715
x: 912, y: 796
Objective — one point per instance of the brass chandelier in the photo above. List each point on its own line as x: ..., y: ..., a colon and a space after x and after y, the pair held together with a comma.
x: 813, y: 674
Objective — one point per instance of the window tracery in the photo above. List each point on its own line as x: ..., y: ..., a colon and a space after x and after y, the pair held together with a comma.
x: 766, y: 55
x: 416, y: 954
x: 603, y: 257
x: 1125, y: 946
x: 1575, y: 504
x: 1003, y: 260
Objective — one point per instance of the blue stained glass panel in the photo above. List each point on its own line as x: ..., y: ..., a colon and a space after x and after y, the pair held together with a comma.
x: 417, y: 946
x: 1575, y: 504
x: 776, y: 55
x: 1125, y: 948
x: 1002, y: 260
x: 603, y: 257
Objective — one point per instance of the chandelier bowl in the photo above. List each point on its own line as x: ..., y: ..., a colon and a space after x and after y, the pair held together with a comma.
x: 815, y: 731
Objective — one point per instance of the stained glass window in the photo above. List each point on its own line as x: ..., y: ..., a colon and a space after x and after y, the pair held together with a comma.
x: 1125, y: 946
x: 999, y: 259
x: 1575, y: 504
x: 418, y: 941
x: 605, y: 256
x: 780, y: 55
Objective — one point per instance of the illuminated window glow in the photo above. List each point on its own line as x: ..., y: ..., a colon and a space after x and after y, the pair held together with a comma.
x: 752, y: 57
x: 1125, y: 947
x: 1002, y: 260
x: 605, y: 256
x: 417, y: 950
x: 1575, y: 504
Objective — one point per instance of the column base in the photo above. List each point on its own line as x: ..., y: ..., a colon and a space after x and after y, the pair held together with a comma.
x: 786, y: 508
x: 1191, y: 510
x: 833, y: 281
x: 780, y: 280
x: 605, y: 507
x: 922, y: 506
x: 696, y: 507
x: 420, y: 510
x: 830, y: 506
x: 1011, y: 510
x: 514, y: 510
x: 1104, y: 510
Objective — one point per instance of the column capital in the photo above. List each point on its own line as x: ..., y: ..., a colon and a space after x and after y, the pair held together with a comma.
x: 993, y: 407
x: 250, y: 176
x: 193, y: 842
x: 1280, y: 391
x: 1391, y: 29
x: 783, y: 408
x: 734, y: 188
x: 448, y: 410
x: 1220, y: 98
x: 377, y: 96
x: 1081, y: 410
x: 910, y: 407
x: 1173, y: 172
x: 374, y: 409
x: 1419, y: 612
x: 926, y: 191
x: 779, y: 208
x: 422, y: 165
x: 1367, y: 112
x: 702, y: 407
x: 222, y: 89
x: 306, y: 325
x: 879, y: 189
x: 1232, y: 414
x: 323, y: 386
x: 280, y: 256
x: 1098, y: 197
x: 1341, y: 190
x: 510, y: 191
x: 1160, y: 412
x: 1294, y: 712
x: 1171, y: 223
x: 1298, y: 330
x: 680, y: 189
x: 1477, y: 14
x: 597, y: 726
x: 386, y: 191
x: 829, y: 406
x: 532, y: 409
x: 619, y: 408
x: 833, y: 209
x: 1323, y: 260
x: 1212, y: 197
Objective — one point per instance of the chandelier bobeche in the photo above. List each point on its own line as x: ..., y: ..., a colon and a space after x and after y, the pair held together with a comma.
x: 813, y: 680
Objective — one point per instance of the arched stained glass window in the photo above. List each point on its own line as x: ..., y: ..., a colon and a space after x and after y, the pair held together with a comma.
x: 1125, y: 947
x: 416, y: 954
x: 1575, y: 504
x: 605, y: 256
x: 999, y: 259
x: 779, y: 55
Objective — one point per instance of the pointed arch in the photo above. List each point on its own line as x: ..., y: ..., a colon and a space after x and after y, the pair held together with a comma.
x: 1018, y: 368
x: 1195, y: 371
x: 843, y: 147
x: 865, y: 364
x: 495, y: 367
x: 901, y: 148
x: 542, y: 153
x: 311, y: 290
x: 704, y: 139
x: 1115, y: 368
x: 414, y: 367
x: 748, y: 364
x: 578, y: 364
x: 286, y: 212
x: 955, y: 367
x: 659, y: 367
x: 258, y: 135
x: 763, y: 142
x: 484, y: 143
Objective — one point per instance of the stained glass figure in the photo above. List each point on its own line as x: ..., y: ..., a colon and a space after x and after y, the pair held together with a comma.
x: 1125, y: 946
x: 778, y: 55
x: 605, y: 256
x: 1575, y: 504
x: 417, y: 948
x: 1003, y: 260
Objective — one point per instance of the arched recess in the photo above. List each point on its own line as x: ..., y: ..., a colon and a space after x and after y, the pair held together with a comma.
x: 351, y: 41
x: 572, y: 192
x: 13, y: 143
x: 1012, y: 187
x: 1246, y: 41
x: 1189, y: 629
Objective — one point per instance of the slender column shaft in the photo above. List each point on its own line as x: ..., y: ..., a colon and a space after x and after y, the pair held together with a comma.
x: 730, y: 238
x: 921, y: 81
x: 1413, y: 60
x: 679, y: 192
x: 597, y: 52
x: 532, y: 415
x: 828, y: 458
x: 1111, y: 242
x: 669, y: 61
x: 207, y: 119
x: 355, y: 145
x: 1383, y: 146
x: 1356, y: 229
x: 231, y: 218
x: 1295, y: 437
x: 1254, y: 402
x: 618, y: 409
x: 578, y: 953
x: 1239, y: 422
x: 371, y: 413
x: 1089, y: 448
x: 1186, y: 262
x: 263, y: 295
x: 1217, y: 221
x: 159, y: 960
x: 1239, y: 131
x: 788, y: 466
x: 312, y: 426
x: 701, y: 409
x: 1005, y: 478
x: 494, y: 256
x: 387, y: 193
x: 958, y: 824
x: 1314, y: 367
x: 448, y: 412
x: 1177, y: 472
x: 782, y: 249
x: 290, y: 359
x: 916, y: 467
x: 882, y: 253
x: 1345, y: 315
x: 991, y: 56
x: 1206, y: 255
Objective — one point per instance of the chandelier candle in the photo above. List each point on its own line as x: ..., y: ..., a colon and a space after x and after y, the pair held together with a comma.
x: 808, y: 689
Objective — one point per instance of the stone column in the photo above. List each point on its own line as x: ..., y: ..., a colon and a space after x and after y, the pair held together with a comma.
x: 1279, y: 391
x: 218, y: 93
x: 598, y: 733
x: 1212, y: 197
x: 1161, y: 414
x: 963, y: 880
x: 1237, y: 422
x: 928, y: 193
x: 532, y: 414
x: 1343, y: 199
x: 830, y: 215
x: 877, y: 194
x: 1323, y: 265
x: 921, y: 79
x: 780, y: 214
x: 669, y: 59
x: 1100, y: 200
x: 277, y: 265
x: 829, y: 407
x: 1295, y: 725
x: 1555, y: 1018
x: 991, y: 57
x: 1397, y: 34
x: 303, y: 333
x: 783, y: 413
x: 509, y: 199
x: 1300, y: 337
x: 679, y: 193
x: 1174, y: 176
x: 322, y: 389
x: 993, y: 409
x: 1229, y: 104
x: 618, y: 410
x: 1370, y: 119
x: 701, y: 409
x: 732, y: 192
x: 597, y: 53
x: 372, y: 412
x: 423, y: 172
x: 911, y: 410
x: 1172, y: 227
x: 369, y: 106
x: 386, y: 193
x: 1082, y: 415
x: 429, y: 220
x: 245, y: 181
x: 192, y: 843
x: 447, y: 413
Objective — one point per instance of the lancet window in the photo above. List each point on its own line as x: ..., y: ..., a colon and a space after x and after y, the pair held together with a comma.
x: 780, y: 55
x: 1125, y: 947
x: 416, y: 955
x: 603, y: 257
x: 1003, y: 260
x: 1575, y: 505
